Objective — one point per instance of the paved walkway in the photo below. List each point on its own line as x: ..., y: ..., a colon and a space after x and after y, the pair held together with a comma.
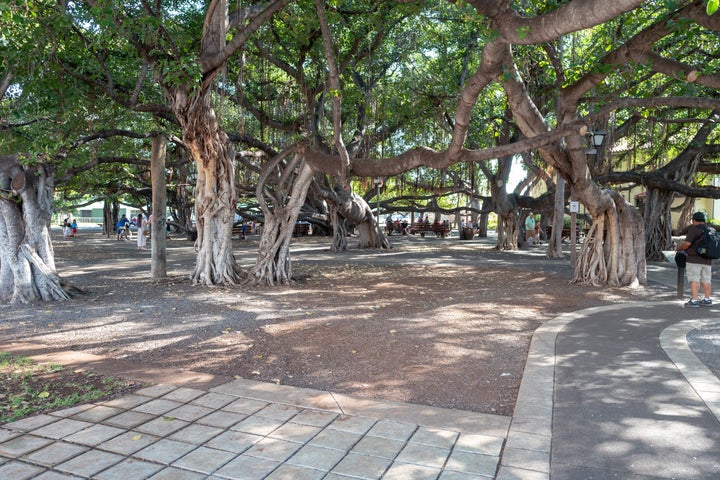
x: 616, y: 393
x: 609, y: 392
x: 251, y: 430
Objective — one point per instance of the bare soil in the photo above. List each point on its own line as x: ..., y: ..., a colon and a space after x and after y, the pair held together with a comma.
x: 28, y: 387
x: 436, y: 322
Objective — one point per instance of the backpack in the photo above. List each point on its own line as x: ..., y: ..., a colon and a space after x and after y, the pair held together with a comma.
x: 709, y: 246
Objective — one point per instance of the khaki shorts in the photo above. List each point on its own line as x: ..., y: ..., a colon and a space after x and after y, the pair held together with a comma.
x: 698, y: 273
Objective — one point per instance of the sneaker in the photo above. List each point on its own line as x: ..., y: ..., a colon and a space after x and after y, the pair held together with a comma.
x: 692, y: 303
x: 706, y: 302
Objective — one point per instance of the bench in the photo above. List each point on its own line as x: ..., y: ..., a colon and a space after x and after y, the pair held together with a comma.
x: 439, y: 229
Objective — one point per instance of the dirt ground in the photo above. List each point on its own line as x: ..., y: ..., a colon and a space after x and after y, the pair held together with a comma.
x: 437, y: 322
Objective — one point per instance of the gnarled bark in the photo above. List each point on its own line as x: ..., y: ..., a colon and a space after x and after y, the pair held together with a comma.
x: 215, y: 195
x: 658, y: 224
x: 613, y: 252
x: 658, y: 200
x: 340, y: 231
x: 281, y: 192
x: 27, y: 259
x: 554, y: 246
x: 351, y: 209
x: 508, y: 229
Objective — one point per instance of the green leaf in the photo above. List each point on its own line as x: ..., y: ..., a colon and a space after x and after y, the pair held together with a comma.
x: 43, y: 394
x: 712, y: 6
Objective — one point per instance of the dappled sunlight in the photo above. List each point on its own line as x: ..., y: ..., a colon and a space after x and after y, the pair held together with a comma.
x: 621, y: 405
x: 434, y: 321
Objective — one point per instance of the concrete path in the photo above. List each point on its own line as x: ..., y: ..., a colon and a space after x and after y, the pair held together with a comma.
x: 251, y: 430
x: 616, y: 393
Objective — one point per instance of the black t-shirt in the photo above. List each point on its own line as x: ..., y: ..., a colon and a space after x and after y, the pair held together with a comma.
x: 693, y: 236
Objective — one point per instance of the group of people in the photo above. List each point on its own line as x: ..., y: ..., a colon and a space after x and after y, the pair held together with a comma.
x: 70, y: 228
x: 397, y: 226
x: 403, y: 227
x: 143, y: 227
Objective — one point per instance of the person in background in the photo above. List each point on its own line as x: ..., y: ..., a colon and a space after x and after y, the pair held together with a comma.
x: 142, y: 226
x: 698, y: 269
x: 74, y: 227
x: 529, y: 227
x: 122, y: 223
x: 67, y: 229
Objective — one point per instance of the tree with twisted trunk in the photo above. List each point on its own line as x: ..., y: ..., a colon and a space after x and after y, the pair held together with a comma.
x: 281, y: 192
x: 27, y: 260
x: 189, y: 65
x: 186, y: 70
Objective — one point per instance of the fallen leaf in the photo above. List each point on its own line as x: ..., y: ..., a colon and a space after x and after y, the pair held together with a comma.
x: 136, y: 438
x: 43, y: 394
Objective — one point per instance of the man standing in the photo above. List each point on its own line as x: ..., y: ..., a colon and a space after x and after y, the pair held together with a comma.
x: 698, y: 268
x: 530, y: 227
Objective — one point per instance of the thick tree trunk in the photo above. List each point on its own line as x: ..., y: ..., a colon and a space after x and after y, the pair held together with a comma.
x: 554, y: 248
x: 340, y: 232
x: 483, y: 220
x: 355, y: 210
x: 27, y: 259
x: 613, y: 252
x: 158, y: 266
x: 685, y: 216
x: 508, y: 230
x: 111, y: 208
x: 280, y: 201
x: 351, y: 209
x: 182, y: 202
x: 658, y: 225
x: 482, y: 224
x: 215, y: 195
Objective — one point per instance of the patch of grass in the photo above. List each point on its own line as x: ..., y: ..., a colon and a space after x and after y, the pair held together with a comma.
x: 28, y: 387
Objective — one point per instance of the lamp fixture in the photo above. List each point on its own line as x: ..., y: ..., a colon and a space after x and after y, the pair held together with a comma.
x: 595, y: 141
